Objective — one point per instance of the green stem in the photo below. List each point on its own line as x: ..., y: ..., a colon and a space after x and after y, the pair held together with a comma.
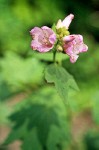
x: 54, y: 56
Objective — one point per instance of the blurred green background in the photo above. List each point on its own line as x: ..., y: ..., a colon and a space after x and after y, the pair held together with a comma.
x: 21, y: 70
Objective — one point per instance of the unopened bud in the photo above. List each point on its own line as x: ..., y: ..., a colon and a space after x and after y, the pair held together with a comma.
x: 59, y: 30
x: 61, y: 35
x: 59, y: 24
x: 59, y: 48
x: 66, y: 33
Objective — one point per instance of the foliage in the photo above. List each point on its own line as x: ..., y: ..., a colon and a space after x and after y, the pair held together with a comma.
x: 21, y: 68
x: 38, y: 122
x: 4, y: 113
x: 95, y: 109
x: 62, y: 80
x: 92, y: 136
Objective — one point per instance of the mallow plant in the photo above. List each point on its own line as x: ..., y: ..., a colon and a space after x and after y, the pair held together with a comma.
x: 59, y: 40
x: 45, y: 118
x: 45, y: 39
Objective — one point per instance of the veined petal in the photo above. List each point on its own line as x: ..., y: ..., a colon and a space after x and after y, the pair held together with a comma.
x: 43, y: 39
x: 68, y: 38
x: 35, y: 30
x: 66, y: 22
x: 83, y: 48
x: 52, y: 38
x: 73, y: 45
x: 69, y: 49
x: 78, y: 38
x: 48, y: 31
x: 43, y: 49
x: 73, y: 58
x: 35, y: 44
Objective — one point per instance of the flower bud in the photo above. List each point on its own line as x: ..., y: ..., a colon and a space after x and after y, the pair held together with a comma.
x: 59, y: 48
x: 66, y: 32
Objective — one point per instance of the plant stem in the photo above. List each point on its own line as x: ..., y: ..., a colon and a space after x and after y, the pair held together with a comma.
x: 54, y: 56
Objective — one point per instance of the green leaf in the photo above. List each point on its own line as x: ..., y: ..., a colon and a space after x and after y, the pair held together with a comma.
x: 40, y: 121
x: 54, y: 27
x: 5, y: 91
x: 34, y: 116
x: 61, y: 140
x: 95, y: 109
x: 5, y: 111
x: 61, y: 78
x: 22, y: 73
x: 31, y: 142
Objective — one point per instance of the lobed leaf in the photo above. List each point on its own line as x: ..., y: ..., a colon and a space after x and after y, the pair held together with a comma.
x: 62, y: 79
x: 39, y: 120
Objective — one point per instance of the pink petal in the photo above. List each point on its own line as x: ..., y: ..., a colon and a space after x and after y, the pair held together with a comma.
x: 66, y: 22
x: 47, y: 30
x: 80, y: 48
x: 35, y: 30
x: 73, y: 58
x: 84, y: 48
x: 68, y: 38
x: 52, y: 38
x: 35, y: 44
x: 78, y: 38
x: 45, y: 27
x: 44, y: 49
x: 69, y: 50
x: 73, y: 46
x: 43, y: 39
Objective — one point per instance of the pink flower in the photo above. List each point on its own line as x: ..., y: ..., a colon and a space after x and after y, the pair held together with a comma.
x: 65, y: 23
x: 43, y: 39
x: 73, y: 45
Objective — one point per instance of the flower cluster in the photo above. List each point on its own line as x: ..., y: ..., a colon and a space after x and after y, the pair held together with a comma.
x: 44, y: 39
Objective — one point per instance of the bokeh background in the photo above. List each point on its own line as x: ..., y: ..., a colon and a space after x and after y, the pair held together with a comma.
x: 21, y: 69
